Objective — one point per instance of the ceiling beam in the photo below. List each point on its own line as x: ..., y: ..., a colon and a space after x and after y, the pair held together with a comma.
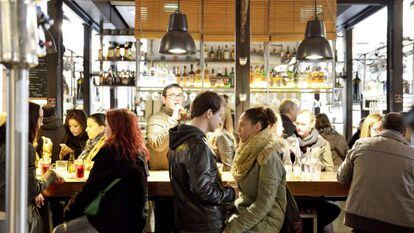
x: 102, y: 11
x: 362, y: 2
x: 352, y: 20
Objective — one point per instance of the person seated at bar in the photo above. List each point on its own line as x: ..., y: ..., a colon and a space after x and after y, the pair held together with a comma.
x: 95, y: 128
x: 288, y: 110
x: 310, y: 140
x: 123, y: 157
x: 380, y: 171
x: 357, y: 134
x: 199, y: 195
x: 35, y: 185
x: 260, y: 175
x: 371, y: 126
x: 157, y: 141
x: 222, y: 140
x: 76, y: 135
x: 337, y: 142
x: 313, y: 144
x: 52, y: 128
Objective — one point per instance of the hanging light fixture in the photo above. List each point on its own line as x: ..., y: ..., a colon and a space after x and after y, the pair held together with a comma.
x: 177, y: 40
x: 315, y: 46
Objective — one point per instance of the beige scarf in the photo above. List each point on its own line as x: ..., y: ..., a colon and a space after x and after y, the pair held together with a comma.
x: 247, y: 153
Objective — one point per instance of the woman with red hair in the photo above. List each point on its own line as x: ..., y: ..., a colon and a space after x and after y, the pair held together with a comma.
x: 123, y: 156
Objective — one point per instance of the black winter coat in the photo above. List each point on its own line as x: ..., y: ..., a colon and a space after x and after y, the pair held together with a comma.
x: 52, y: 128
x: 199, y: 195
x: 122, y: 208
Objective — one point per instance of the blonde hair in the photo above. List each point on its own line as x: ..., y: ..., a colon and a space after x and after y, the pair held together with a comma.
x: 311, y: 116
x: 227, y: 123
x: 368, y: 122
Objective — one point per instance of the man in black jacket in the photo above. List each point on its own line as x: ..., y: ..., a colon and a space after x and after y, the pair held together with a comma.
x: 199, y: 195
x: 288, y: 111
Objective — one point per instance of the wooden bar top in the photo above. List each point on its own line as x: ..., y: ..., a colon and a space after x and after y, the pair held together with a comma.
x: 159, y: 185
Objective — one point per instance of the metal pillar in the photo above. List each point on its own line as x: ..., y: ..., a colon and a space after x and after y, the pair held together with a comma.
x: 395, y: 56
x: 348, y: 82
x: 18, y: 44
x: 242, y: 82
x: 87, y: 64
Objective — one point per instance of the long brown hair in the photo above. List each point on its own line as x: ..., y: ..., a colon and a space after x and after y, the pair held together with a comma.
x: 126, y: 134
x: 33, y: 121
x: 227, y: 123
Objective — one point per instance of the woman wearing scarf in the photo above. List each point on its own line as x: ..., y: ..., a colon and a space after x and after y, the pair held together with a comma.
x: 95, y: 127
x: 260, y: 176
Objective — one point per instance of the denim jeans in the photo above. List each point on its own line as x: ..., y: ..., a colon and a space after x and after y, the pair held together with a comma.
x: 78, y: 225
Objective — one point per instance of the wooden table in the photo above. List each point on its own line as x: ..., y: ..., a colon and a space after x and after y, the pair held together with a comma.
x: 159, y: 185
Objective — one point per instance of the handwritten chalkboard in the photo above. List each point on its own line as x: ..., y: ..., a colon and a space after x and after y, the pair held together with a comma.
x: 38, y: 80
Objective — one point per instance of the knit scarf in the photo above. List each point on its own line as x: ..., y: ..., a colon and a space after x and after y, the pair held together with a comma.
x: 247, y: 153
x: 309, y: 140
x: 90, y: 144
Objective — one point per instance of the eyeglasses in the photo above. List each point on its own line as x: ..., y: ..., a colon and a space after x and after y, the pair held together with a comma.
x: 176, y: 96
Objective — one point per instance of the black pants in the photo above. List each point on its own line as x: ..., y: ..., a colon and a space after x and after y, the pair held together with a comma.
x: 164, y: 215
x: 327, y: 212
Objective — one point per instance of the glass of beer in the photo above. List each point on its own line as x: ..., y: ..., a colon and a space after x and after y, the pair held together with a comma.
x: 79, y: 168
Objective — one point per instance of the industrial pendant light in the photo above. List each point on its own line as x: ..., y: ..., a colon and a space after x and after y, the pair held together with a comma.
x: 177, y: 40
x: 315, y: 46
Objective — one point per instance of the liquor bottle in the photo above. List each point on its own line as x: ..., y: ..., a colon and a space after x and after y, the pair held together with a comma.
x: 226, y: 79
x: 206, y: 80
x: 191, y: 76
x: 226, y: 54
x: 110, y: 54
x: 184, y: 77
x: 100, y: 54
x: 212, y: 78
x: 79, y: 86
x: 178, y: 75
x: 219, y: 55
x: 212, y: 55
x: 288, y: 55
x: 71, y: 162
x: 145, y: 70
x: 132, y: 78
x: 133, y: 52
x: 118, y: 78
x: 251, y: 75
x: 231, y: 77
x: 117, y: 52
x: 109, y: 78
x: 294, y: 52
x: 356, y: 92
x: 205, y: 52
x: 101, y: 78
x: 219, y: 78
x: 152, y: 70
x: 197, y: 77
x: 126, y: 52
x: 233, y: 54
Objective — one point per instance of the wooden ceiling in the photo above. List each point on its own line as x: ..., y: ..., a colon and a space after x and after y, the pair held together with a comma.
x: 270, y: 20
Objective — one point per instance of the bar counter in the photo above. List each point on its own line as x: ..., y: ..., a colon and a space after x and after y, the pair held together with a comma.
x: 159, y: 185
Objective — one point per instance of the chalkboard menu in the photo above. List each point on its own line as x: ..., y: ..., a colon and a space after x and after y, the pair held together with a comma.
x: 38, y: 80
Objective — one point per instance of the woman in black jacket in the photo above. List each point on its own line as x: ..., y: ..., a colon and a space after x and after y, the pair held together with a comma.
x: 124, y: 156
x: 76, y: 135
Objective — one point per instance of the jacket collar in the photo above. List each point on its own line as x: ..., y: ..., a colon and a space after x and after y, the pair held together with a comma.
x: 387, y: 133
x: 166, y: 110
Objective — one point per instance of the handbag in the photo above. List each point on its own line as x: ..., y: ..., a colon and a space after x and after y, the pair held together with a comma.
x: 292, y: 222
x: 35, y: 221
x: 93, y: 207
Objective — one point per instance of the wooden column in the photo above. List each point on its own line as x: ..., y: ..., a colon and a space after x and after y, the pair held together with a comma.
x: 348, y: 82
x: 55, y: 60
x: 242, y: 82
x: 394, y: 55
x: 87, y: 64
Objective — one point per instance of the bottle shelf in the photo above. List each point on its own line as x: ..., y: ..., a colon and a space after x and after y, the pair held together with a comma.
x: 115, y: 60
x: 107, y: 85
x: 171, y: 61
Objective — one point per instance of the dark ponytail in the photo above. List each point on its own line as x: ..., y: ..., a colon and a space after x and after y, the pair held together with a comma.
x: 265, y: 115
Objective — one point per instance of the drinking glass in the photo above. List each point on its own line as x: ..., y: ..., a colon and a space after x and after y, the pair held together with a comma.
x: 79, y: 168
x: 61, y: 167
x: 45, y: 164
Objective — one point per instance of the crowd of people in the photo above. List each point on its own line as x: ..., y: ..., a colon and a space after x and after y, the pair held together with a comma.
x: 195, y: 147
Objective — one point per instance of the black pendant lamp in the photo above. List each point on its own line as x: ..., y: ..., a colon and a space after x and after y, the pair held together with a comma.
x: 315, y: 46
x: 177, y: 40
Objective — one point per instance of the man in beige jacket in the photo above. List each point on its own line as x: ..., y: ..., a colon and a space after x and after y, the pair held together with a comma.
x: 380, y: 171
x: 157, y: 141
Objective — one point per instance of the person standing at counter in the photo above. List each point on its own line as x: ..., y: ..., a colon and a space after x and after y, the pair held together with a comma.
x: 157, y: 141
x: 199, y: 195
x: 380, y: 171
x: 288, y: 111
x: 76, y: 135
x: 260, y: 175
x: 123, y: 157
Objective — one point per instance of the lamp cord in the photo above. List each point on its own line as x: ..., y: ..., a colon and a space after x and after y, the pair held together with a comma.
x: 178, y: 5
